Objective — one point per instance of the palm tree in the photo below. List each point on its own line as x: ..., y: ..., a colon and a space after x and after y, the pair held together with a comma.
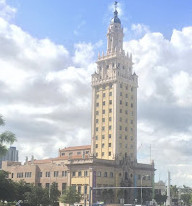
x: 6, y: 137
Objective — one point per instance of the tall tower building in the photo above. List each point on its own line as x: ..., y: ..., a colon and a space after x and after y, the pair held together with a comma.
x: 11, y: 155
x: 114, y: 100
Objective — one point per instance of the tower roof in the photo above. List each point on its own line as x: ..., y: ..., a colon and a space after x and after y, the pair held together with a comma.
x: 115, y: 19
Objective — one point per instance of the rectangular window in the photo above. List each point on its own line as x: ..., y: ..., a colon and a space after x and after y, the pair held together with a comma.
x: 79, y: 174
x: 120, y: 127
x: 86, y: 173
x: 110, y: 93
x: 103, y: 128
x: 20, y: 175
x: 64, y: 173
x: 110, y: 110
x: 97, y: 104
x: 28, y: 174
x: 120, y: 119
x: 97, y: 120
x: 103, y: 112
x: 63, y: 154
x: 103, y: 94
x: 126, y: 95
x: 126, y: 112
x: 109, y: 144
x: 109, y: 153
x: 47, y: 185
x: 96, y: 137
x: 105, y: 174
x: 110, y: 127
x: 103, y: 103
x: 47, y: 174
x: 97, y: 112
x: 96, y: 129
x: 131, y: 121
x: 64, y: 185
x: 96, y: 145
x: 132, y: 105
x: 78, y: 153
x: 79, y: 189
x: 56, y: 173
x: 110, y: 119
x: 125, y: 137
x: 99, y: 174
x: 120, y: 93
x: 103, y: 154
x: 85, y: 189
x: 73, y: 174
x: 111, y: 174
x: 103, y: 145
x: 132, y: 89
x: 103, y: 136
x: 110, y: 101
x: 120, y: 102
x: 109, y: 135
x: 131, y: 138
x: 126, y: 103
x: 103, y: 119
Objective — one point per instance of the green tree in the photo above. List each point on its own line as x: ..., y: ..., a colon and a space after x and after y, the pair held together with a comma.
x: 160, y: 199
x: 54, y: 193
x: 174, y: 191
x: 21, y: 188
x: 5, y: 138
x: 70, y: 196
x: 107, y: 195
x: 186, y: 198
x: 7, y: 187
x: 37, y: 196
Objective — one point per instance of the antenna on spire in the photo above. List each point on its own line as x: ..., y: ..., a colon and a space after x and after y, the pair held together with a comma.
x: 115, y: 4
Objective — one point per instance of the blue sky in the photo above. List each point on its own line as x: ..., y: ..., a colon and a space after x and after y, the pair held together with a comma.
x: 58, y: 20
x: 48, y: 53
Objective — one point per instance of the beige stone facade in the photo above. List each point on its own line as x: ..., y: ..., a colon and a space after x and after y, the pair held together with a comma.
x: 111, y: 159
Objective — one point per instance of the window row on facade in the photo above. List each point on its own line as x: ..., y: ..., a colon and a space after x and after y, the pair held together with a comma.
x: 103, y: 136
x: 74, y: 153
x: 103, y: 154
x: 81, y: 188
x: 109, y: 136
x: 80, y: 174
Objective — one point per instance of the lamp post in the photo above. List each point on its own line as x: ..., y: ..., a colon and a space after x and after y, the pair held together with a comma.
x: 142, y: 187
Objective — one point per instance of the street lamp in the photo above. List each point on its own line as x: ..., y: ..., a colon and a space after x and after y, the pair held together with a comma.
x: 142, y: 187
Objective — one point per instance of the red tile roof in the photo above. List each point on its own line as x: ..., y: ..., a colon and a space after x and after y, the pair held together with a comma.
x: 88, y: 147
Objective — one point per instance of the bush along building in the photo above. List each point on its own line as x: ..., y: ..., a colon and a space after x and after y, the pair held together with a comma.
x: 111, y: 159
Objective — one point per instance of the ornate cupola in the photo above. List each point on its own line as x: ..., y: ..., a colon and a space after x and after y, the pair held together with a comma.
x: 115, y: 34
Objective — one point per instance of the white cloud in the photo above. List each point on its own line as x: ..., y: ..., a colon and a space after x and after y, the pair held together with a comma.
x: 7, y: 12
x: 139, y: 29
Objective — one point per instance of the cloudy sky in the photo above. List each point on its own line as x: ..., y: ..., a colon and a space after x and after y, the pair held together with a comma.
x: 48, y: 51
